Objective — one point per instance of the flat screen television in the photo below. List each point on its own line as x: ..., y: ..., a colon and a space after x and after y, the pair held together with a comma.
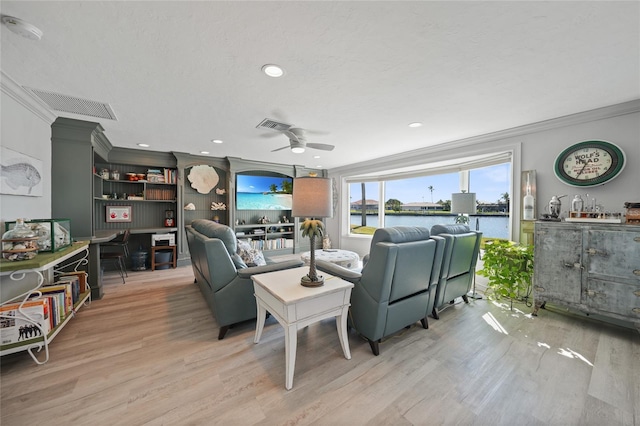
x: 263, y: 192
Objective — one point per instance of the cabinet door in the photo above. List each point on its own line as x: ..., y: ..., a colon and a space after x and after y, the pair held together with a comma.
x: 613, y: 255
x: 557, y: 266
x: 614, y: 297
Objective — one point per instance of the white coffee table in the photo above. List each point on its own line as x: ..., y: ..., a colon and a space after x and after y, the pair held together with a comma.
x: 345, y: 258
x: 296, y: 307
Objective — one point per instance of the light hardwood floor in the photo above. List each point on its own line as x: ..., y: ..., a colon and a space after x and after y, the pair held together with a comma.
x: 147, y: 354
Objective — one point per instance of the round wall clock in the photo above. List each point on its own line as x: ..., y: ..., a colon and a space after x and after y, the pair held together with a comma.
x: 589, y: 163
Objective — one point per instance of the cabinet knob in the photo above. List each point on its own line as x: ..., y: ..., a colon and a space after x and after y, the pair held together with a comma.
x: 636, y: 239
x: 637, y: 293
x: 636, y: 310
x: 636, y: 272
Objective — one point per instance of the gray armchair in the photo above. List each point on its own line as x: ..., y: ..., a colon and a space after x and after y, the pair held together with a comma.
x: 458, y: 265
x: 224, y: 279
x: 397, y: 285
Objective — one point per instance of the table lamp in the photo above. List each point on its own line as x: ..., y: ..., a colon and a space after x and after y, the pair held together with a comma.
x: 312, y: 199
x: 463, y: 203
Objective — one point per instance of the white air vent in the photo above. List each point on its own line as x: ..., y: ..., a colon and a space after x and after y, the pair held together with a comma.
x: 268, y: 123
x: 73, y: 105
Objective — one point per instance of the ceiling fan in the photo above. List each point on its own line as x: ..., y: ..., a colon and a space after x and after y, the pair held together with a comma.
x: 296, y: 135
x: 298, y: 142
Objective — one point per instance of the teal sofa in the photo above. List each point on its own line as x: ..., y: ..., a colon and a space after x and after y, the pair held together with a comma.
x: 224, y: 279
x: 397, y: 285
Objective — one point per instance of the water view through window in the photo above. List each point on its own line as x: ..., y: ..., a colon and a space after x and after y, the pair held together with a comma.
x: 426, y: 201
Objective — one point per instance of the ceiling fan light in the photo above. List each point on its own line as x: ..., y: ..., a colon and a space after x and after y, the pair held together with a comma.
x: 297, y: 150
x: 272, y: 70
x: 23, y: 28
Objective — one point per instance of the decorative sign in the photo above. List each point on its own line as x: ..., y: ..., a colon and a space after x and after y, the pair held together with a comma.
x: 118, y: 213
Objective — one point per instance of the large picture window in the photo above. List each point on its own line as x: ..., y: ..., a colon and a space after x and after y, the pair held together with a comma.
x: 425, y: 200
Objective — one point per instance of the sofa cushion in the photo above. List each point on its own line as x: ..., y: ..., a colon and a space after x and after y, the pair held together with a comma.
x: 225, y: 234
x: 250, y: 256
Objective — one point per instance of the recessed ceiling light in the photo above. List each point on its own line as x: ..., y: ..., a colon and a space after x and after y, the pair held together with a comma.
x: 25, y: 29
x: 316, y: 156
x: 216, y: 141
x: 204, y: 152
x: 297, y: 150
x: 144, y: 145
x: 272, y: 70
x: 416, y: 124
x: 319, y: 166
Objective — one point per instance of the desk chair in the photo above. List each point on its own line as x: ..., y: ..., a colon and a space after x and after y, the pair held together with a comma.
x: 117, y: 251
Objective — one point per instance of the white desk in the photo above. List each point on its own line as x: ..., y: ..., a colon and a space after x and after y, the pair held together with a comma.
x: 296, y: 307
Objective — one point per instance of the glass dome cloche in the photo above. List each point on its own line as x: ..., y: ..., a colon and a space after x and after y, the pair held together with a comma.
x: 20, y: 243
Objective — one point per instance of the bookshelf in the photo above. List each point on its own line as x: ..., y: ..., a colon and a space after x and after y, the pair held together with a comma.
x: 20, y: 280
x: 271, y: 237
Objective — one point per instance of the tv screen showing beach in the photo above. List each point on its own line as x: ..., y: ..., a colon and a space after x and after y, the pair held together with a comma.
x: 263, y: 192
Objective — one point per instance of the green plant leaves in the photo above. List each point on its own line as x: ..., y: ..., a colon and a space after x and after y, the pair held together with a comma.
x: 509, y: 267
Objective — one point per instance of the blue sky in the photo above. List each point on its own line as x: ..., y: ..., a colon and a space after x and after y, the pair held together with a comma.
x: 246, y: 183
x: 489, y: 183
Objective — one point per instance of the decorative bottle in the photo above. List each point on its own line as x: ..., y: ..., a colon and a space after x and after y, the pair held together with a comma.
x: 577, y: 204
x: 528, y: 203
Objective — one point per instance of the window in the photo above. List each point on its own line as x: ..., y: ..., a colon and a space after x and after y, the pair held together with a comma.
x: 425, y: 200
x: 364, y: 206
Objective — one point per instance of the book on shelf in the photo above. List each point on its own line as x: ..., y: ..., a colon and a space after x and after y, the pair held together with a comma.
x: 23, y: 324
x: 83, y: 279
x: 64, y: 292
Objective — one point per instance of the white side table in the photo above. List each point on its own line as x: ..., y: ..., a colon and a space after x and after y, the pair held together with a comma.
x: 345, y: 258
x: 296, y: 307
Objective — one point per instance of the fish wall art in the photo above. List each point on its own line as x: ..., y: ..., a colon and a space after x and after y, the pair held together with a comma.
x: 20, y: 174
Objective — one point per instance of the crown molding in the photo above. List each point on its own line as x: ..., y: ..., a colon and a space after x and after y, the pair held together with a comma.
x: 418, y: 155
x: 26, y: 99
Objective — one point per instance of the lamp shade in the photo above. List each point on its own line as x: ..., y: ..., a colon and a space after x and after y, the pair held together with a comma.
x: 463, y: 202
x: 312, y: 197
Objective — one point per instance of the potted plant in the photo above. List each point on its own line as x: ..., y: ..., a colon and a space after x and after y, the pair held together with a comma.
x: 509, y: 267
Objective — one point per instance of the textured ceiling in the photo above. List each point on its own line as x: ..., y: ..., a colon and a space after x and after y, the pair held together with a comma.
x: 179, y: 74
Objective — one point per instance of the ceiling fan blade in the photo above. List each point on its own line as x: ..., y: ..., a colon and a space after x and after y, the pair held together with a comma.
x: 292, y: 136
x: 280, y: 149
x: 321, y: 146
x: 270, y: 135
x: 317, y: 132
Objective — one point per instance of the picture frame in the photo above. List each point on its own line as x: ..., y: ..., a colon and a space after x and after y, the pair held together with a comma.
x: 118, y: 213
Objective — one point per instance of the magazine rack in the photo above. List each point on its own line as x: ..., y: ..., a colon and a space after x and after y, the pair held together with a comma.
x: 20, y: 280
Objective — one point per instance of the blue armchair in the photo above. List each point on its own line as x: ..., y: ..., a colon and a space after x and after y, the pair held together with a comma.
x: 458, y: 265
x: 397, y: 285
x: 223, y: 277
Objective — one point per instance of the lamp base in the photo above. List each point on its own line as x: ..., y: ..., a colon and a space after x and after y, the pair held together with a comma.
x: 473, y: 295
x: 308, y: 282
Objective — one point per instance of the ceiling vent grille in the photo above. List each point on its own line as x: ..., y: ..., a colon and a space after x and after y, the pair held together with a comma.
x: 268, y: 123
x: 73, y: 105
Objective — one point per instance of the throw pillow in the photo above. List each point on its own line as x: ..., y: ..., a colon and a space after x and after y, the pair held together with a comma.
x: 250, y: 256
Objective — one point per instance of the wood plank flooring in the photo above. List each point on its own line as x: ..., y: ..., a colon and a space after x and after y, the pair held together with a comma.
x: 147, y: 354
